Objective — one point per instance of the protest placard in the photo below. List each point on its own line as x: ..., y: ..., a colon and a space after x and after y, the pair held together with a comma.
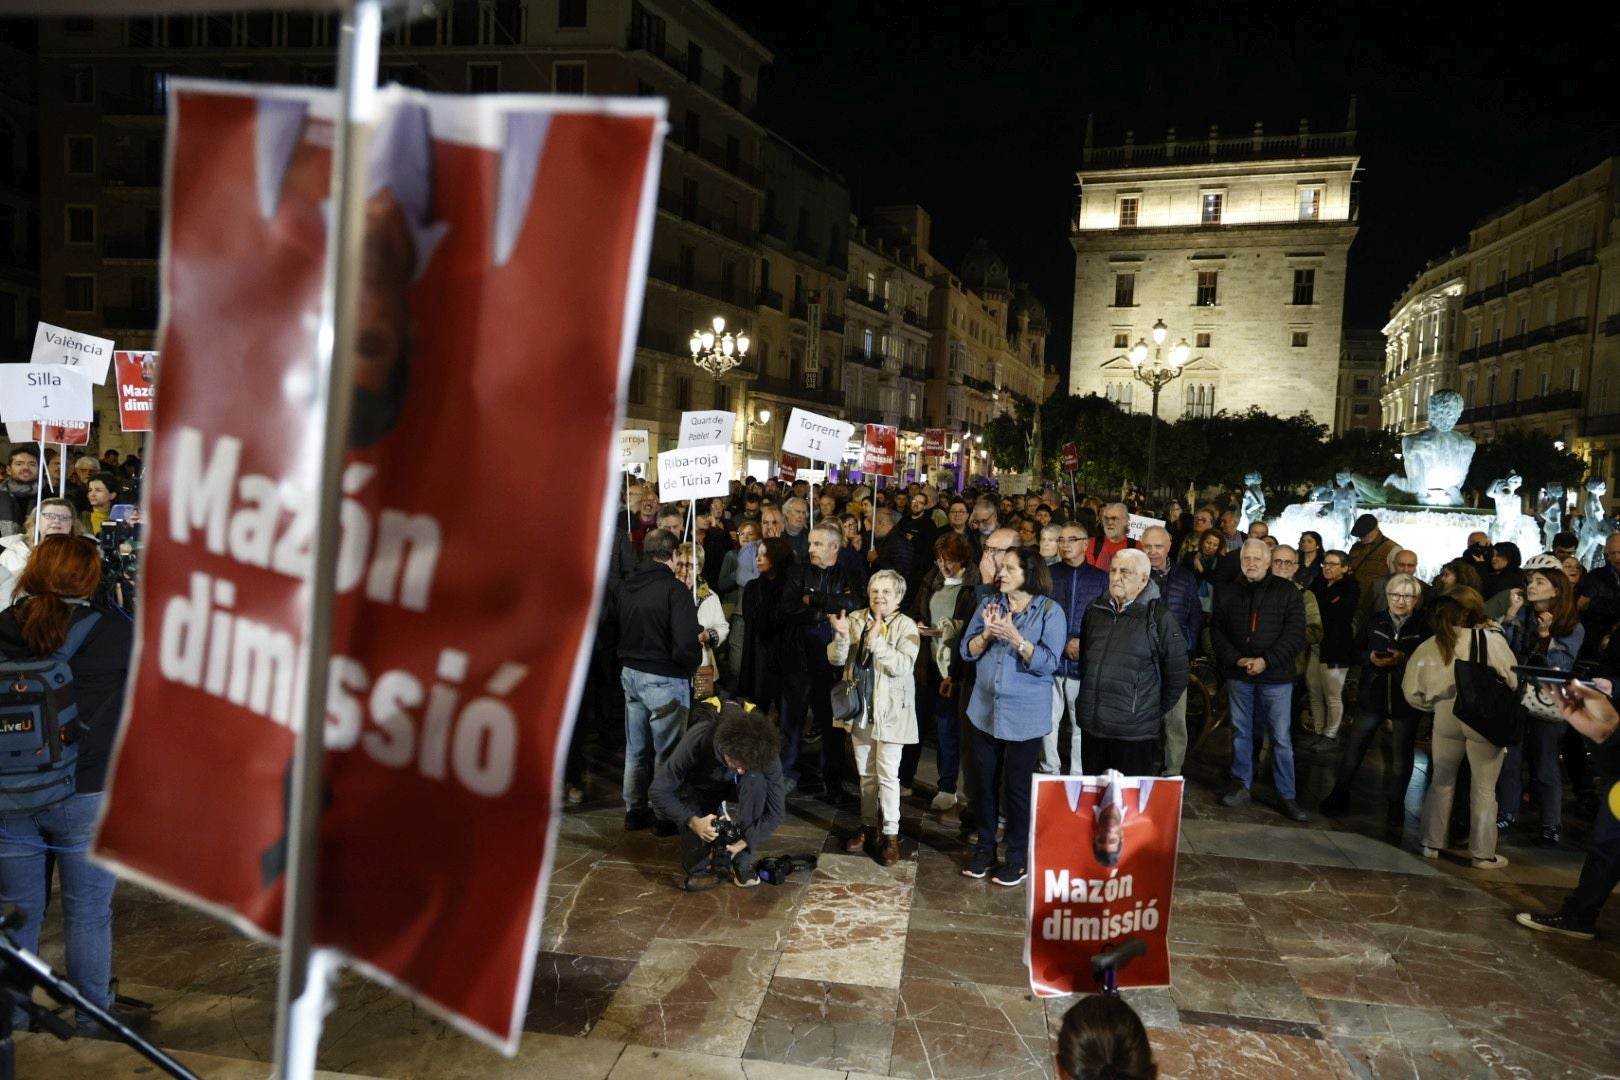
x: 787, y: 470
x: 1102, y: 869
x: 819, y: 438
x: 1071, y: 457
x: 136, y: 373
x: 90, y: 354
x: 698, y: 473
x: 68, y: 434
x: 1139, y: 525
x: 506, y: 243
x: 877, y: 449
x: 635, y: 448
x: 712, y: 427
x: 45, y: 392
x: 934, y: 442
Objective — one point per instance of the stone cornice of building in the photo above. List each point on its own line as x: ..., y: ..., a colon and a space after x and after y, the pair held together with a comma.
x: 878, y: 254
x: 1429, y: 298
x: 1596, y: 196
x: 1150, y: 172
x: 1175, y: 237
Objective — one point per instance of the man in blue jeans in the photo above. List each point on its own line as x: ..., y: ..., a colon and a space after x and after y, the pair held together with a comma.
x: 1258, y: 631
x: 1590, y: 713
x: 660, y: 651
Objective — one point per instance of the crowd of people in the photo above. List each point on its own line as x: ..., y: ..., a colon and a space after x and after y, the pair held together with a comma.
x: 59, y: 620
x: 1033, y: 633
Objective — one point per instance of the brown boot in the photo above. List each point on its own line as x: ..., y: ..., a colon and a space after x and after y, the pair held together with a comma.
x: 888, y: 852
x: 860, y: 840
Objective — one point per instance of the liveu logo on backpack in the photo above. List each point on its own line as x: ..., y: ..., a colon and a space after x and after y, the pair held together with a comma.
x: 38, y: 725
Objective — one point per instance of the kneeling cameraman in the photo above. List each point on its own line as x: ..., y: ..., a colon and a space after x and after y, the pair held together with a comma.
x: 735, y: 755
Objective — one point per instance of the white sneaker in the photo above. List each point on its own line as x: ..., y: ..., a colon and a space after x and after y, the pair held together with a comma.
x: 1431, y: 853
x: 943, y: 801
x: 1495, y: 862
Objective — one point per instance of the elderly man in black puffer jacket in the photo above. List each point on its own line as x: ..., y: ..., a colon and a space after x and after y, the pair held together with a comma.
x: 1135, y: 661
x: 1258, y: 631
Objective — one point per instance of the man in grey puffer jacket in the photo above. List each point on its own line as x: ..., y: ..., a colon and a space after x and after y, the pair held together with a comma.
x: 1135, y: 659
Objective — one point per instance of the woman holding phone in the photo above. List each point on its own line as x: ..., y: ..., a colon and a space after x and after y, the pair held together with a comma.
x: 1544, y: 628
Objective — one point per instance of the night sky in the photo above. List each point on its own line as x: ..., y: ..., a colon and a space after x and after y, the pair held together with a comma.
x: 977, y: 111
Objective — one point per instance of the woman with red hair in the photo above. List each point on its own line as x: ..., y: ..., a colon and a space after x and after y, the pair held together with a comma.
x: 57, y: 616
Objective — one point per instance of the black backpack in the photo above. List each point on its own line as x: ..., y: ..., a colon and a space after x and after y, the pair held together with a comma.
x: 39, y: 726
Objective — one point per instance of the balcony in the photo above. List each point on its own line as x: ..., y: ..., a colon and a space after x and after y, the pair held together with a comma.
x: 1570, y: 327
x: 135, y: 248
x: 1473, y: 299
x: 1540, y: 336
x: 1514, y: 343
x: 1494, y: 292
x: 984, y: 385
x: 663, y: 341
x: 656, y: 47
x: 1583, y: 257
x: 769, y: 298
x: 832, y: 323
x: 152, y: 105
x: 1548, y: 269
x: 913, y: 319
x: 865, y: 299
x: 1610, y: 326
x: 863, y: 358
x: 672, y: 203
x: 1467, y: 356
x: 1554, y: 402
x: 1517, y: 282
x: 672, y: 273
x: 1606, y: 424
x: 864, y: 416
x: 129, y: 318
x: 134, y: 176
x: 719, y: 156
x: 800, y: 309
x: 914, y: 371
x: 788, y: 388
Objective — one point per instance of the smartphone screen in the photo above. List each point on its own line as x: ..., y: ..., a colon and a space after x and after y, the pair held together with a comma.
x: 121, y: 511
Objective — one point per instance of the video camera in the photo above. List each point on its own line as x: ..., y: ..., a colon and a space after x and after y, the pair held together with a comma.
x: 118, y: 541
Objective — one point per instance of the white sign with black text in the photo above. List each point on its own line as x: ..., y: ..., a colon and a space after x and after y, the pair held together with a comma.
x: 44, y: 392
x: 1140, y: 525
x: 633, y: 449
x: 86, y: 352
x: 701, y: 472
x: 819, y: 438
x: 711, y: 427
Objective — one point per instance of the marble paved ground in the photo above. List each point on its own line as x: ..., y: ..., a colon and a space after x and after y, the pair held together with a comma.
x: 1322, y: 950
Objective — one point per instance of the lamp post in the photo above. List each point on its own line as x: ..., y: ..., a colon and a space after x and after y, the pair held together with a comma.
x: 717, y: 351
x: 1157, y: 376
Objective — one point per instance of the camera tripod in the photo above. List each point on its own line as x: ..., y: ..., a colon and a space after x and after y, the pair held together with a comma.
x: 21, y: 971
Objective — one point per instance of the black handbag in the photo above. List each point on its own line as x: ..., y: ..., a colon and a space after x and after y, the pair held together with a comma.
x: 1485, y: 702
x: 852, y: 696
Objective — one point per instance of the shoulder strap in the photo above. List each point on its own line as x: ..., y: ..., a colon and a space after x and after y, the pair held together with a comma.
x: 76, y: 635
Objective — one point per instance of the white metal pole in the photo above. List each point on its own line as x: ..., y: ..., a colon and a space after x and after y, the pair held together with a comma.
x: 301, y: 989
x: 39, y: 480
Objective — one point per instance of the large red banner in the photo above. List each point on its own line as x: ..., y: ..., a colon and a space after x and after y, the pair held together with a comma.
x: 934, y: 442
x: 504, y: 260
x: 1102, y: 868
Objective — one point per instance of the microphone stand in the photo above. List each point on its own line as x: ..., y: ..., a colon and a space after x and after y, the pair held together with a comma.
x: 21, y: 971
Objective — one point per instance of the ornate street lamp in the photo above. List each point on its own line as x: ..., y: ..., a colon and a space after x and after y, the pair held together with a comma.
x: 1157, y: 376
x: 717, y: 351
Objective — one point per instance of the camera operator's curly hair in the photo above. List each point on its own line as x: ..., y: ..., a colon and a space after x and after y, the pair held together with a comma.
x: 751, y: 738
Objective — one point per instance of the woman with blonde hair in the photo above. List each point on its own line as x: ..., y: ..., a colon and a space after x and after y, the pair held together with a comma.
x: 57, y: 517
x: 710, y: 615
x: 877, y: 646
x: 1461, y: 632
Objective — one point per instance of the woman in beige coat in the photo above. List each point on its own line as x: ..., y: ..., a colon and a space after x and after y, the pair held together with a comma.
x: 886, y: 644
x: 1431, y: 685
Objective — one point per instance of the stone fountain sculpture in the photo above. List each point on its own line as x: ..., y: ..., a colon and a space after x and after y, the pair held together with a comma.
x: 1436, y: 460
x: 1551, y: 509
x: 1254, y: 502
x: 1504, y: 492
